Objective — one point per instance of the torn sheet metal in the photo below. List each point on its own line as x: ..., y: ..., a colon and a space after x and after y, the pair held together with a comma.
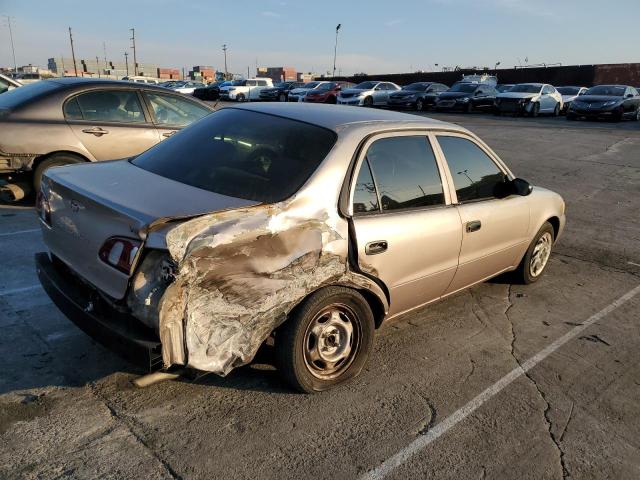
x: 240, y: 273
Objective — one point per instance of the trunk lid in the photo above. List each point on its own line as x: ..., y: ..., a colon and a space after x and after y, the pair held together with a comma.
x: 93, y: 202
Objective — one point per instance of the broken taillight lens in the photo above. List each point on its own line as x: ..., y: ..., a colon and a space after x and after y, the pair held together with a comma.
x: 120, y: 253
x: 43, y: 208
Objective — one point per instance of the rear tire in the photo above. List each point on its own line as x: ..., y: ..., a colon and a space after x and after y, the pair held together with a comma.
x: 535, y: 261
x: 326, y: 340
x: 55, y: 160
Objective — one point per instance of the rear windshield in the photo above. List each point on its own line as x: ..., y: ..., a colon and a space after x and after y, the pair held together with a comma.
x: 15, y: 98
x: 242, y: 154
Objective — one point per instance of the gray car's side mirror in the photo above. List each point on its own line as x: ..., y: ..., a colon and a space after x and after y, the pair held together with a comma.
x: 521, y: 187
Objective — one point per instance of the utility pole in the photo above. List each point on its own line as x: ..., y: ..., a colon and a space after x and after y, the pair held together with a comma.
x: 13, y: 51
x: 104, y: 49
x: 73, y: 53
x: 133, y: 45
x: 224, y: 49
x: 126, y: 62
x: 335, y: 50
x: 98, y: 65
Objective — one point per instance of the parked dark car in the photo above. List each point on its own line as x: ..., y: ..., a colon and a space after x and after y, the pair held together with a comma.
x: 615, y: 102
x: 419, y: 95
x: 467, y: 97
x: 326, y: 93
x: 211, y: 91
x: 280, y: 91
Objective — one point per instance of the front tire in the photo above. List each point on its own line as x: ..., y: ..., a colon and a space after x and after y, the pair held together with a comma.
x: 535, y: 110
x: 535, y: 261
x: 326, y: 340
x: 240, y: 97
x: 56, y: 160
x: 282, y: 97
x: 556, y: 111
x: 368, y: 102
x: 419, y: 105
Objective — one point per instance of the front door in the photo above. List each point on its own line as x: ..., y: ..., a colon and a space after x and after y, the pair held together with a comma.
x: 111, y: 124
x: 407, y: 232
x: 494, y: 230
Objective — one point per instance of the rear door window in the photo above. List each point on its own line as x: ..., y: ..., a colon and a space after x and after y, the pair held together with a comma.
x: 120, y: 106
x: 405, y: 172
x: 475, y: 175
x: 173, y: 110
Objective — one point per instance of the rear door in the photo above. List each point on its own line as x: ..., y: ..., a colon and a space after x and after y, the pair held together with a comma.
x: 407, y: 232
x: 494, y: 231
x: 170, y: 112
x: 110, y: 123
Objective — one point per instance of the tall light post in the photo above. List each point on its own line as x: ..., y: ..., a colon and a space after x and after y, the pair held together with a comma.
x: 496, y: 67
x: 224, y: 49
x: 133, y: 45
x: 126, y: 62
x: 335, y: 50
x: 13, y: 51
x: 73, y: 53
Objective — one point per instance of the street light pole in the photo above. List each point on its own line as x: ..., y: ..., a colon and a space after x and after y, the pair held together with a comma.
x: 13, y: 51
x: 126, y: 62
x: 224, y: 49
x: 73, y: 53
x: 98, y: 65
x: 135, y: 60
x: 335, y: 50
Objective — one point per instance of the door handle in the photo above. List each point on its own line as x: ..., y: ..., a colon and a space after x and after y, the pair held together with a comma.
x: 474, y: 226
x: 373, y: 248
x: 168, y: 134
x: 97, y: 131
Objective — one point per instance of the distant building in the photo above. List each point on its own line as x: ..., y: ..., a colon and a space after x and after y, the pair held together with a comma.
x: 305, y: 77
x: 202, y: 74
x: 63, y: 66
x: 278, y: 74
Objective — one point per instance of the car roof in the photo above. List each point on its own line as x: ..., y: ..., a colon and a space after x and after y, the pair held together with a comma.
x: 80, y: 81
x: 334, y: 117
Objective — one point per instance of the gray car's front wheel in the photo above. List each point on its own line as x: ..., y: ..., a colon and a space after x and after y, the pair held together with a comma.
x: 326, y: 340
x: 535, y: 260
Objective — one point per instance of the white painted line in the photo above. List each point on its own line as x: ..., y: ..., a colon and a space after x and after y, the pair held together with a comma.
x: 19, y: 232
x: 451, y: 421
x: 18, y: 290
x: 633, y: 263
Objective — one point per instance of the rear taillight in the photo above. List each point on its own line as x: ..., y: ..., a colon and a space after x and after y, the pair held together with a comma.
x: 43, y: 208
x: 120, y: 253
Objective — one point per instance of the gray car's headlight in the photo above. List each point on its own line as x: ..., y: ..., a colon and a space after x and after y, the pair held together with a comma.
x: 610, y: 103
x: 462, y: 100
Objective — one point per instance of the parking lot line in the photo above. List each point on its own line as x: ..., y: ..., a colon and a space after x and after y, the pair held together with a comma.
x: 4, y: 293
x: 451, y: 421
x: 19, y: 232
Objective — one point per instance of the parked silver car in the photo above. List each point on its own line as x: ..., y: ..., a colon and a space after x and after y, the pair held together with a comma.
x: 308, y: 223
x: 367, y: 94
x: 569, y: 94
x: 530, y: 99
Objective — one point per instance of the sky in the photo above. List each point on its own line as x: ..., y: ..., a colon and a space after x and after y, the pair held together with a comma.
x: 376, y: 36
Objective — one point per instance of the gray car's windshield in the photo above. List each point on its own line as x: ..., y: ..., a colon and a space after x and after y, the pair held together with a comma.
x: 416, y: 87
x: 16, y: 97
x: 365, y: 85
x: 607, y: 90
x: 242, y: 154
x: 524, y: 88
x: 311, y: 85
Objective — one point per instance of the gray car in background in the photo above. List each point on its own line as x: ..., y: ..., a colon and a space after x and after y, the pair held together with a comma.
x: 75, y: 120
x: 367, y: 94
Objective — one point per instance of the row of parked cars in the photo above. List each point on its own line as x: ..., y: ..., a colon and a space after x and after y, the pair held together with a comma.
x: 472, y: 93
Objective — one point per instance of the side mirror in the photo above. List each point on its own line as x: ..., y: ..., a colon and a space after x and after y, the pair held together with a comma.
x: 521, y: 187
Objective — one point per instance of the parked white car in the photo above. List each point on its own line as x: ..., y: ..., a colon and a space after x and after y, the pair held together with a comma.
x: 298, y: 94
x: 187, y: 87
x: 530, y: 99
x: 367, y: 94
x: 245, y: 90
x: 141, y: 79
x: 569, y: 94
x: 8, y: 83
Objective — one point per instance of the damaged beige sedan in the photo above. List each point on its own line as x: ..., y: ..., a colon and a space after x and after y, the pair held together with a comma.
x: 309, y: 224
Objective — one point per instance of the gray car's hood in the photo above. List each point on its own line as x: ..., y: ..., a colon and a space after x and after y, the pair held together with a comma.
x: 356, y: 90
x: 518, y: 95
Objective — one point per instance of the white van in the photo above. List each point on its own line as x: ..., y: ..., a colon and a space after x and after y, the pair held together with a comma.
x: 245, y: 90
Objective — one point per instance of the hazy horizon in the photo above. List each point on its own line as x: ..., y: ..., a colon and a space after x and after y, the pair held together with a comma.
x: 414, y: 35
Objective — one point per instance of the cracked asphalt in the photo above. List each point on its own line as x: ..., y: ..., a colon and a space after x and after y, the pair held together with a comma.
x: 68, y: 409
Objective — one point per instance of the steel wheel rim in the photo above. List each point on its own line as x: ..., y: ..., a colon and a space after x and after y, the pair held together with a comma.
x: 541, y: 254
x: 331, y: 341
